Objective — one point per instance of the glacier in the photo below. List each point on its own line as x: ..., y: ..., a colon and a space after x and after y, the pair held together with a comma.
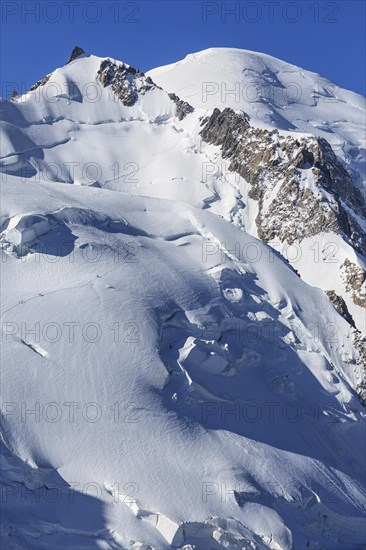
x: 169, y: 378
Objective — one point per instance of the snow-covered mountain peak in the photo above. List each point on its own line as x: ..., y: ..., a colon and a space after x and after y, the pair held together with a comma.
x: 262, y: 79
x: 139, y: 138
x: 159, y: 350
x: 273, y: 93
x: 90, y: 89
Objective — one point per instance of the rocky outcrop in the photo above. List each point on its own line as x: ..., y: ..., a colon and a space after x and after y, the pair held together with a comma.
x: 76, y: 52
x: 359, y: 342
x: 301, y: 186
x: 225, y: 128
x: 355, y: 281
x: 126, y: 82
x: 341, y: 306
x: 41, y: 82
x: 183, y: 108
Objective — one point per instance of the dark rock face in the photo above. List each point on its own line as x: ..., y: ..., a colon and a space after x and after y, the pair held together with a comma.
x: 41, y: 82
x: 76, y: 52
x: 355, y: 280
x: 126, y: 82
x: 340, y: 306
x: 359, y: 342
x: 276, y: 166
x: 183, y: 108
x: 225, y: 128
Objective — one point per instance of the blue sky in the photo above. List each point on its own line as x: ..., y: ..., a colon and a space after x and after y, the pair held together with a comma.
x: 323, y: 36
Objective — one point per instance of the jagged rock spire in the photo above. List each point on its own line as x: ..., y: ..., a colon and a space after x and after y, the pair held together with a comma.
x: 76, y: 52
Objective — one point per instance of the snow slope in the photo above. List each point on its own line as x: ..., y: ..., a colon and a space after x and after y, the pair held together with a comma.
x: 166, y: 356
x: 274, y: 93
x: 168, y: 381
x: 71, y: 129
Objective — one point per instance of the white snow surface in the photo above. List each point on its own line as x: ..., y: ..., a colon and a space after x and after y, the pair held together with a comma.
x: 188, y: 388
x: 274, y: 94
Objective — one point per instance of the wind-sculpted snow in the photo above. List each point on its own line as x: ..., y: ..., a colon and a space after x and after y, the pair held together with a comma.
x: 168, y: 379
x: 189, y: 404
